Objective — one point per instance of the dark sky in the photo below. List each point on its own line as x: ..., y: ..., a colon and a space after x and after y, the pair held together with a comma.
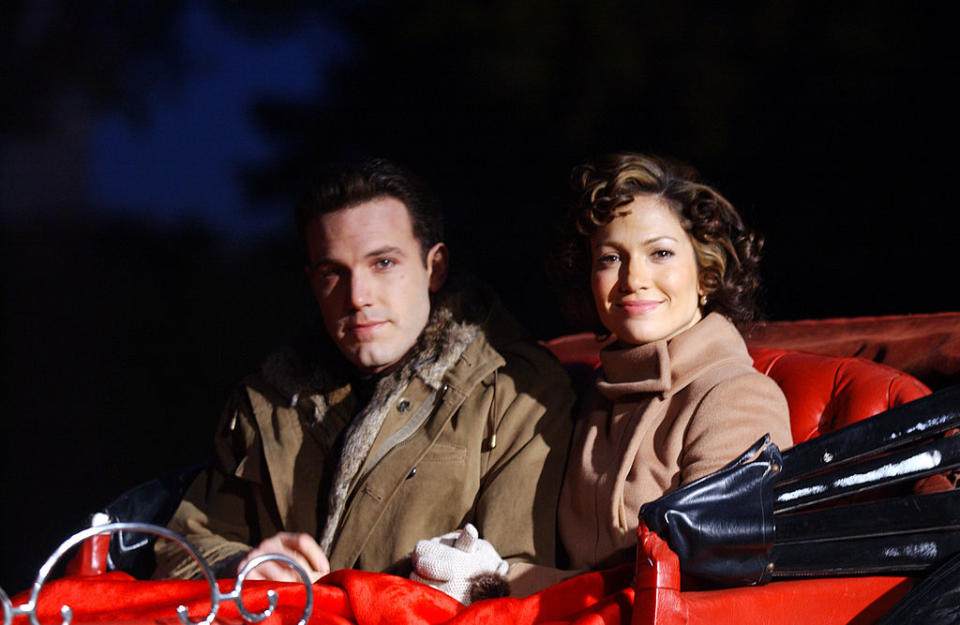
x: 829, y: 128
x: 150, y: 153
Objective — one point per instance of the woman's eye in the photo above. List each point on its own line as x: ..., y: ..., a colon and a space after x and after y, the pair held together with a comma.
x: 608, y: 259
x: 662, y: 254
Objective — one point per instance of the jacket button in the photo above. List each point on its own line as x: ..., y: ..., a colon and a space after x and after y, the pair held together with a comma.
x: 413, y: 472
x: 403, y: 405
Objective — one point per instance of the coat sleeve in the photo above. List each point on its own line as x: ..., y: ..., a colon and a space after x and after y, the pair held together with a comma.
x: 217, y: 511
x: 732, y: 416
x: 523, y: 473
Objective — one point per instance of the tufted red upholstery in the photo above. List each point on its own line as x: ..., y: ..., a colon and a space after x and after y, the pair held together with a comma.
x: 824, y: 392
x: 828, y: 392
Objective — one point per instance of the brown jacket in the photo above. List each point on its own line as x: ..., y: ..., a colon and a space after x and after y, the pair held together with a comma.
x: 482, y: 439
x: 667, y: 413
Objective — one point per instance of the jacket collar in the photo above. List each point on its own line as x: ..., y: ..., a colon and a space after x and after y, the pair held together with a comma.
x: 667, y: 366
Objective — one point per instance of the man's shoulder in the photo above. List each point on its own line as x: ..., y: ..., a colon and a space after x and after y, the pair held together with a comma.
x: 530, y: 383
x: 523, y: 357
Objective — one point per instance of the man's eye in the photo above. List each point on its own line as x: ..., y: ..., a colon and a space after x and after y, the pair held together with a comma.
x: 328, y: 273
x: 384, y: 263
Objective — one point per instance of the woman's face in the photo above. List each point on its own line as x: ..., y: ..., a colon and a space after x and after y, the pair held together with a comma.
x: 644, y: 273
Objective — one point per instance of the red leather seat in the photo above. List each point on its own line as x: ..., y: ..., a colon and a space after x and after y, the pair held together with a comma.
x: 828, y: 392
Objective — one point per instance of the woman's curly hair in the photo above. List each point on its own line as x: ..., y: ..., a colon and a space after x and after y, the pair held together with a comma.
x: 728, y: 253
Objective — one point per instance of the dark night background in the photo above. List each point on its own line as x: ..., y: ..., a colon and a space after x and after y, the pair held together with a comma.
x: 150, y: 153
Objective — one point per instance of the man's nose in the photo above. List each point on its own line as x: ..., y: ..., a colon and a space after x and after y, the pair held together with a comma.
x: 360, y: 290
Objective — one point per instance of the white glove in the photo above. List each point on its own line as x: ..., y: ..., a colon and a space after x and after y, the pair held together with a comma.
x: 450, y: 562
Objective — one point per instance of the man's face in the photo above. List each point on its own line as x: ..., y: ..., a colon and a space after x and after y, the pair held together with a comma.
x: 368, y: 274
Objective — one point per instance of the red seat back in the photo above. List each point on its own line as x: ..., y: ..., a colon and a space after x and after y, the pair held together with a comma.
x: 828, y: 392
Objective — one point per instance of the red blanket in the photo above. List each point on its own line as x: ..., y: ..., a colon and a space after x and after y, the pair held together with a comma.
x: 343, y: 597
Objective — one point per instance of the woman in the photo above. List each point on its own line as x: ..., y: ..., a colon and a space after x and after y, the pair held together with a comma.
x: 664, y: 264
x: 672, y: 272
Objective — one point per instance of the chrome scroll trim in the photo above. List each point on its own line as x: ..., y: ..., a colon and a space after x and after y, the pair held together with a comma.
x: 29, y: 609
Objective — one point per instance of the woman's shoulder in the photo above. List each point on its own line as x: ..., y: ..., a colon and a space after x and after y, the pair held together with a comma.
x: 724, y: 376
x: 730, y: 414
x: 736, y: 379
x: 733, y: 381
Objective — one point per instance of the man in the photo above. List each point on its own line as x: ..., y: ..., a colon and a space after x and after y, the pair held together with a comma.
x: 412, y: 409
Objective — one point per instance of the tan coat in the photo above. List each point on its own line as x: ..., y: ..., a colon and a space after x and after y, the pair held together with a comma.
x: 434, y: 465
x: 667, y: 413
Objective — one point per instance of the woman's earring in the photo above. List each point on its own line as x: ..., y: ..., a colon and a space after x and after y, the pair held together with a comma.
x: 703, y: 300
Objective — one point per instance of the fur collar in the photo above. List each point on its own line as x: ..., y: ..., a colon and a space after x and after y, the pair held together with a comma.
x: 322, y: 390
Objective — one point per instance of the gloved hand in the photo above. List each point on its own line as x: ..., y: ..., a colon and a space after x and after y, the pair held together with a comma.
x: 456, y: 562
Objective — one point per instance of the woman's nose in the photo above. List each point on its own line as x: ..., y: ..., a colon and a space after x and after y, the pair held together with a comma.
x: 633, y: 276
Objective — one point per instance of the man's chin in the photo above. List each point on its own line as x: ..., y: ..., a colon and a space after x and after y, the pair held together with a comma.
x: 372, y: 362
x: 377, y: 361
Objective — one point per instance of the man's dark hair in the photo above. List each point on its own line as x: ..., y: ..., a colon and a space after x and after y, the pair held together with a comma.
x: 347, y: 185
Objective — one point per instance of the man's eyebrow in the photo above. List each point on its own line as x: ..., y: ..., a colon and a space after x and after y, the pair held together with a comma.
x: 380, y: 251
x: 384, y: 251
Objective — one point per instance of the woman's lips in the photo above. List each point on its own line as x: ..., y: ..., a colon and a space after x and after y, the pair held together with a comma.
x: 639, y: 307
